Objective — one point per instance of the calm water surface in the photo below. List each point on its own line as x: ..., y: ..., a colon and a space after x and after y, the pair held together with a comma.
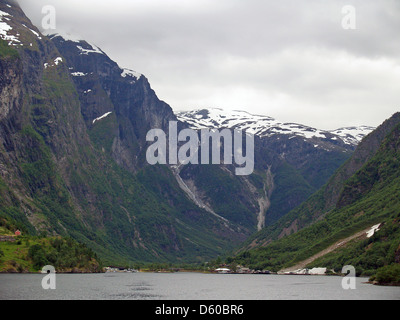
x: 189, y: 286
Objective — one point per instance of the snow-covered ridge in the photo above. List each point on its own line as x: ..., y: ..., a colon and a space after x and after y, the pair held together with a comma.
x: 78, y: 40
x: 94, y: 49
x: 265, y: 126
x: 130, y: 73
x: 65, y: 35
x: 353, y: 135
x: 86, y: 48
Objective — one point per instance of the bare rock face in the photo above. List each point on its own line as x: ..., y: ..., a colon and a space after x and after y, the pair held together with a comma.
x: 10, y: 85
x: 103, y: 87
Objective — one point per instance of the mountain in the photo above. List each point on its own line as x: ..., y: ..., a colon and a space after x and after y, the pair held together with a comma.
x: 264, y: 126
x: 296, y: 159
x: 99, y: 81
x: 73, y: 128
x: 331, y: 195
x: 362, y: 226
x: 71, y: 153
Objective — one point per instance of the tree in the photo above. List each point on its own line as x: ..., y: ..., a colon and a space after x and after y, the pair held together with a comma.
x: 38, y: 256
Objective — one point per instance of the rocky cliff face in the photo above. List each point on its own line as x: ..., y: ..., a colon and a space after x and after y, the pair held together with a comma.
x: 105, y: 88
x: 11, y: 83
x: 73, y: 128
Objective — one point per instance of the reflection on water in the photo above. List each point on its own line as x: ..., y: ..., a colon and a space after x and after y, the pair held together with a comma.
x: 189, y: 286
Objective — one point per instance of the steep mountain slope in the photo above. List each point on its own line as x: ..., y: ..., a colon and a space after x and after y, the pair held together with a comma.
x: 368, y: 198
x: 65, y: 173
x: 292, y: 161
x: 119, y: 107
x: 328, y: 197
x: 121, y: 98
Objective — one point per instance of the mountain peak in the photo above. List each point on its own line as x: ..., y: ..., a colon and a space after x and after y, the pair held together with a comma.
x: 130, y: 73
x: 85, y: 47
x: 67, y: 36
x: 265, y: 126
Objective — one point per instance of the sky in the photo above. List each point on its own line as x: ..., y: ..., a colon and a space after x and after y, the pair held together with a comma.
x: 322, y: 63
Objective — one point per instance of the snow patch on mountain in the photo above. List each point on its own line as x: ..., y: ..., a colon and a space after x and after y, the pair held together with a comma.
x: 94, y: 49
x: 102, y: 117
x: 58, y: 60
x: 353, y: 135
x: 2, y: 13
x: 34, y: 32
x: 84, y: 46
x: 130, y: 73
x: 5, y: 29
x: 264, y: 126
x: 78, y: 74
x: 54, y: 63
x: 65, y: 35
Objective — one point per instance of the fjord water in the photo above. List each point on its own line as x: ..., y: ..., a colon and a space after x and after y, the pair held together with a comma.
x: 190, y: 286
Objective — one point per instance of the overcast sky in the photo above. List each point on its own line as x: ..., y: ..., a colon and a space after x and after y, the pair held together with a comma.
x: 289, y: 59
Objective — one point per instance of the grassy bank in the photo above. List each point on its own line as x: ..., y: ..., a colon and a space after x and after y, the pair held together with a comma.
x: 31, y: 254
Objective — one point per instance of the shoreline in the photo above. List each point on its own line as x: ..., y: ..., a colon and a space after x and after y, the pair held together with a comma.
x: 375, y: 283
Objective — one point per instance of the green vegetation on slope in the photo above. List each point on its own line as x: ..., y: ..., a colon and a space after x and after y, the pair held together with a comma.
x: 220, y: 187
x: 287, y: 179
x: 31, y: 253
x: 370, y: 197
x: 388, y: 275
x: 369, y: 254
x: 326, y: 198
x: 7, y: 51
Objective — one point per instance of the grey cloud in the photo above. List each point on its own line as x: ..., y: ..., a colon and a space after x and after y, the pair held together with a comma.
x: 289, y: 59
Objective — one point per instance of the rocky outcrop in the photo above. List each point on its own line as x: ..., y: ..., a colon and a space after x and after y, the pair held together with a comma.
x: 10, y: 84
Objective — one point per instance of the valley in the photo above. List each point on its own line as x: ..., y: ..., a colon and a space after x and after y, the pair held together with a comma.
x: 90, y: 156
